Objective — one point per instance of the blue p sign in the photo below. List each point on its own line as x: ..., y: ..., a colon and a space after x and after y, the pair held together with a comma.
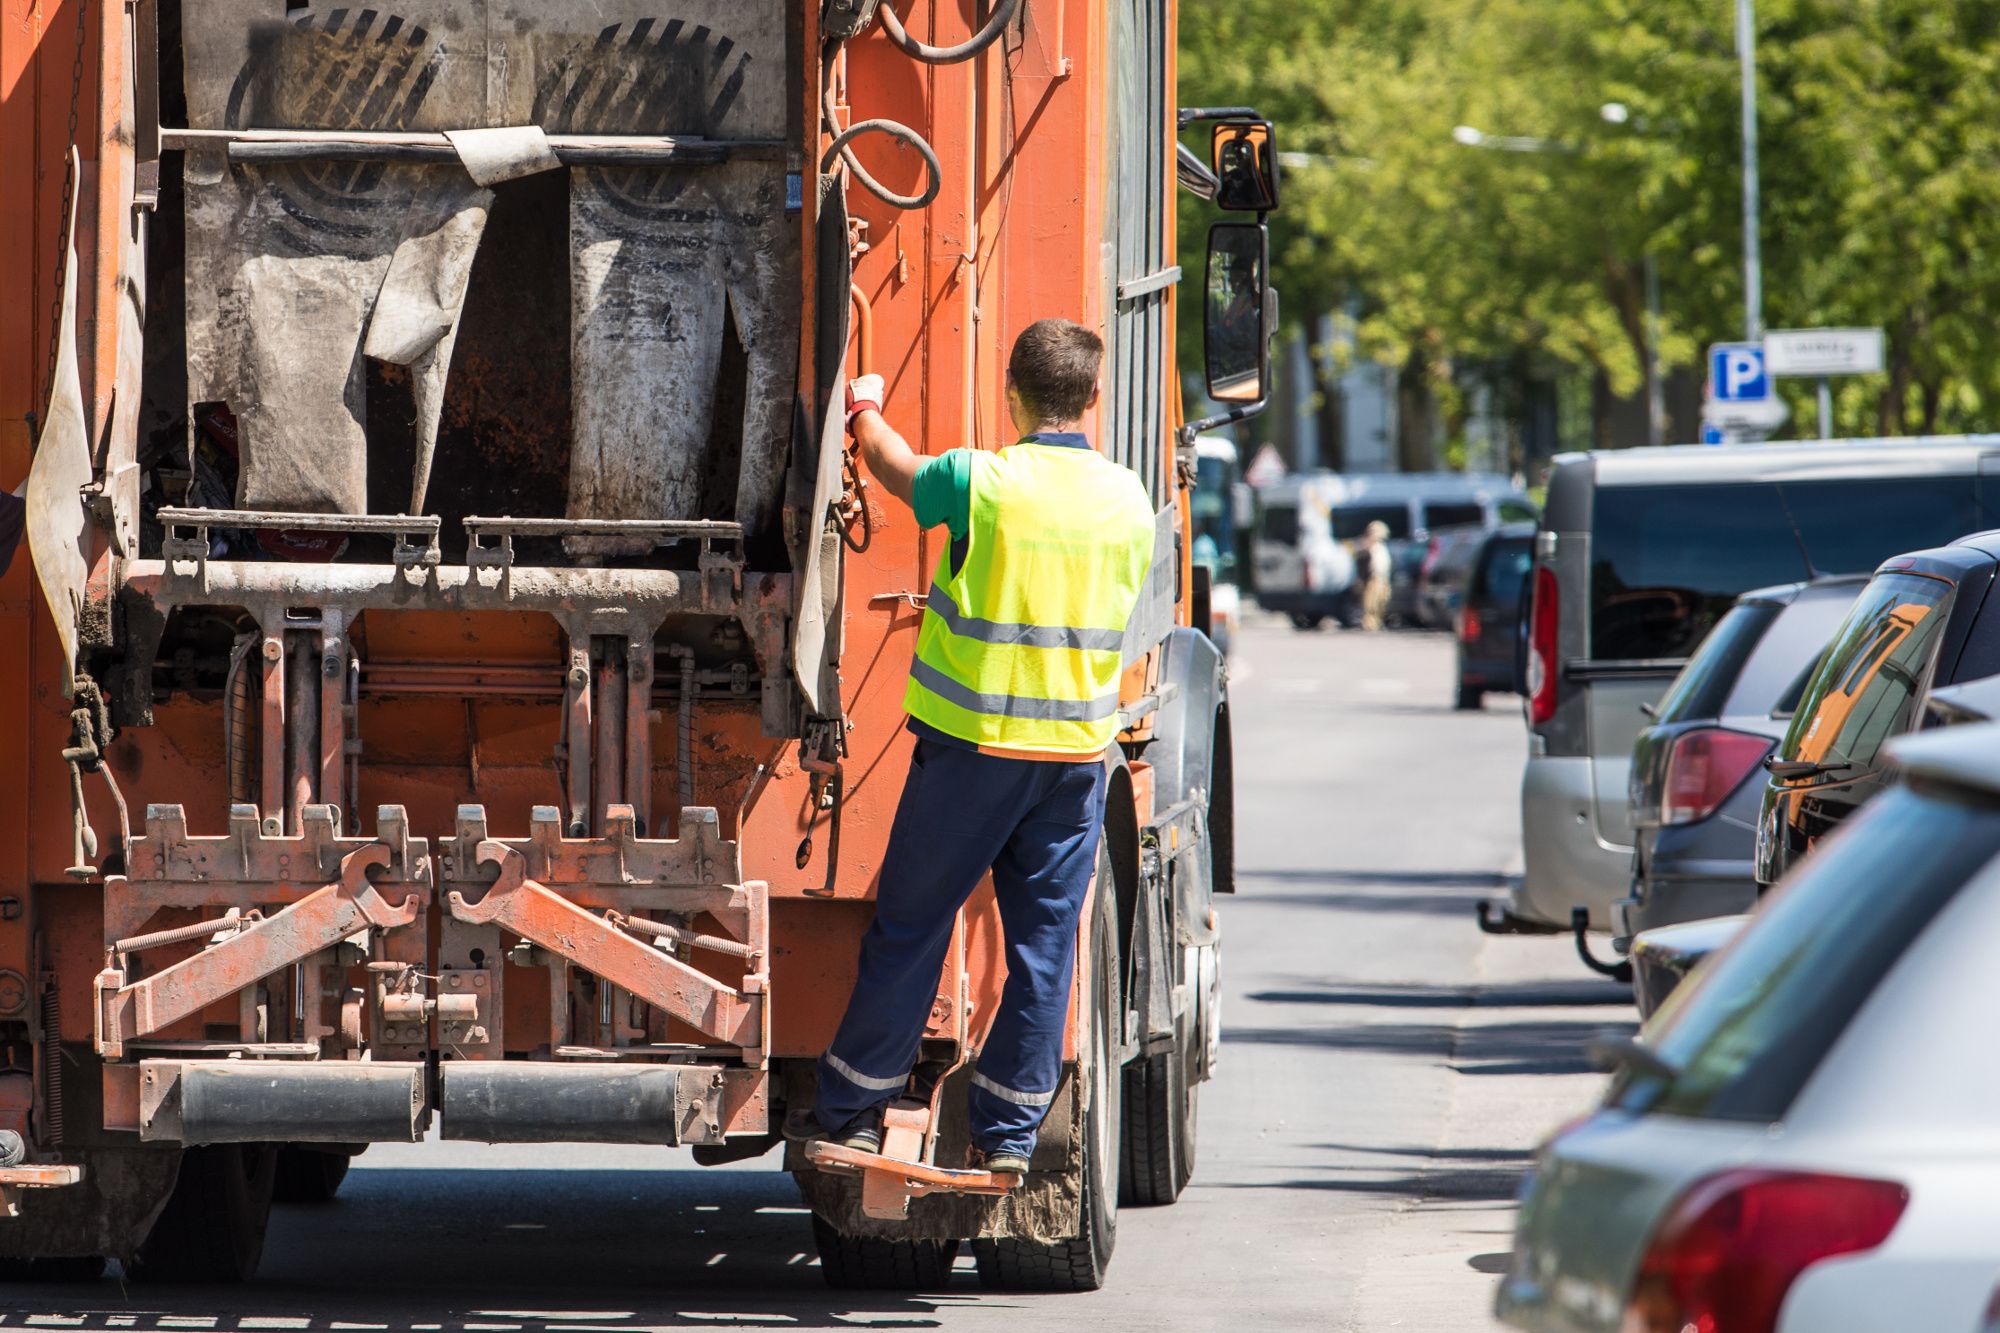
x: 1736, y: 373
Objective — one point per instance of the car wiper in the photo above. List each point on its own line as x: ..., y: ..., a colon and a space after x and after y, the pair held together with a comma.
x: 1804, y: 768
x: 1613, y: 1054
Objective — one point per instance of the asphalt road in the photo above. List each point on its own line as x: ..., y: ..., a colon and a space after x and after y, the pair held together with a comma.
x: 1386, y: 1071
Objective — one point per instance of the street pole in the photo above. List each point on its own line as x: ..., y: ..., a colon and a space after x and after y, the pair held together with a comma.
x: 1656, y: 392
x: 1753, y: 262
x: 1825, y: 409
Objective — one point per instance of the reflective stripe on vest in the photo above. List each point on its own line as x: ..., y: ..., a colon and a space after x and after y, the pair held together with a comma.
x: 1020, y: 646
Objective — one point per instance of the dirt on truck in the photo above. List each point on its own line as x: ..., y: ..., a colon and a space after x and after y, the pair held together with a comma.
x: 454, y: 682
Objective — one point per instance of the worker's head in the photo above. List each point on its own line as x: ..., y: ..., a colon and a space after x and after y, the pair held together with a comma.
x: 1052, y: 374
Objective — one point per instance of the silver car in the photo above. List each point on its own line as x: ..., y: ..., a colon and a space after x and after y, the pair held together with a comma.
x: 1640, y: 552
x: 1806, y: 1139
x: 1697, y: 775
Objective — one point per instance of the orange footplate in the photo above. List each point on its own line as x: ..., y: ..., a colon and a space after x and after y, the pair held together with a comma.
x: 894, y: 1176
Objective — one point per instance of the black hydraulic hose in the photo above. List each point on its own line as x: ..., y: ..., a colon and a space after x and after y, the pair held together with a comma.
x: 895, y: 130
x: 996, y: 23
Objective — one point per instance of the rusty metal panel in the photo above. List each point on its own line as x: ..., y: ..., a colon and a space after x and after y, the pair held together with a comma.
x: 285, y: 260
x: 669, y: 269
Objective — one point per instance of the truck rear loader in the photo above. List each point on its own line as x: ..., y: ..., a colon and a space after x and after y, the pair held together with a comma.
x: 455, y: 685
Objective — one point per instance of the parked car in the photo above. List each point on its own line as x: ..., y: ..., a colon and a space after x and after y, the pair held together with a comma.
x: 1805, y: 1138
x: 1663, y: 957
x: 1304, y: 555
x: 1640, y: 553
x: 1697, y: 778
x: 1487, y: 624
x: 1923, y: 620
x: 1442, y: 573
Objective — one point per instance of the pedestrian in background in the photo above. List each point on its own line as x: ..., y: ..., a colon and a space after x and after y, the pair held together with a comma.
x: 1371, y: 566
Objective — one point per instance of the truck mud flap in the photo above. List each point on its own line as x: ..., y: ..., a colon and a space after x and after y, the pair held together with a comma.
x: 257, y: 1101
x: 520, y: 1102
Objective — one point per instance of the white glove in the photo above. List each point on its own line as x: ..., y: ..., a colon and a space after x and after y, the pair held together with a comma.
x: 864, y: 393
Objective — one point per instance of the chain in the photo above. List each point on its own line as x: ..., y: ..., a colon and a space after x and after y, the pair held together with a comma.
x: 63, y: 238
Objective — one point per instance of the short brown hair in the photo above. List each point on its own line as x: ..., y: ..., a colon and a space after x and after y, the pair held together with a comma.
x: 1054, y: 365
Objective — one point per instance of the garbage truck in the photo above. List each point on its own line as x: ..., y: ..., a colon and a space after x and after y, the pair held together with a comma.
x: 451, y: 687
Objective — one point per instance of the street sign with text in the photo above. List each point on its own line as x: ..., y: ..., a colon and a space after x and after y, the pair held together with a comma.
x: 1821, y: 352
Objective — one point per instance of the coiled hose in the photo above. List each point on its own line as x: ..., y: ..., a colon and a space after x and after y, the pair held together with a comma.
x: 895, y: 130
x: 989, y: 33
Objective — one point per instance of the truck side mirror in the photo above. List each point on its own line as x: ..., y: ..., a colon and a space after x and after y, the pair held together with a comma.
x: 1246, y: 166
x: 1236, y: 313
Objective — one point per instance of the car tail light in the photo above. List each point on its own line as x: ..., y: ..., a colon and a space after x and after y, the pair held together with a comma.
x: 1703, y: 768
x: 1468, y: 625
x: 1542, y: 646
x: 1734, y: 1244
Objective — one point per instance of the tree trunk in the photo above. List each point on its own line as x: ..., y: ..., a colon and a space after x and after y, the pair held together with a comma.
x: 1415, y: 412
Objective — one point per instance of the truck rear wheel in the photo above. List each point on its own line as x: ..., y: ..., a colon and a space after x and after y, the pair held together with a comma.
x: 865, y: 1263
x: 307, y: 1175
x: 83, y: 1268
x: 212, y: 1229
x: 1079, y: 1262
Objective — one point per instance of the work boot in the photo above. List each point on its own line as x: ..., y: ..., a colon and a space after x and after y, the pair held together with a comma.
x: 1001, y: 1163
x: 863, y: 1135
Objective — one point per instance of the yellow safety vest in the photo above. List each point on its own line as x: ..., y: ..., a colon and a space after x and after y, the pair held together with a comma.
x: 1022, y: 646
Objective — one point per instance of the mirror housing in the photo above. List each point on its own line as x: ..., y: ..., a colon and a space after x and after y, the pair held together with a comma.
x: 1244, y: 157
x: 1237, y: 314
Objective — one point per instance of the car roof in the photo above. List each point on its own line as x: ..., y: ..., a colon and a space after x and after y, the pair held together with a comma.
x: 1803, y: 461
x: 1967, y: 756
x: 1967, y: 701
x: 1825, y: 585
x: 1215, y: 446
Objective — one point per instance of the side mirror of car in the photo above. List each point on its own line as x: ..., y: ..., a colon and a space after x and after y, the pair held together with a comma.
x: 1238, y: 313
x: 1245, y: 160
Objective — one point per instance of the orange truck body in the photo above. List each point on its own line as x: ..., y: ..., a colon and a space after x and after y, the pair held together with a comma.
x: 412, y: 891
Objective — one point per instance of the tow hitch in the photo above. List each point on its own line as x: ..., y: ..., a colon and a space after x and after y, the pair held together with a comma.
x: 1579, y: 924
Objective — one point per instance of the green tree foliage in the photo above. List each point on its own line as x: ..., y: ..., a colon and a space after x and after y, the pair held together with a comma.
x: 1880, y: 149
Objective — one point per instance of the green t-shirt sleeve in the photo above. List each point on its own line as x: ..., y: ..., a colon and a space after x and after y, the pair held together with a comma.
x: 942, y: 492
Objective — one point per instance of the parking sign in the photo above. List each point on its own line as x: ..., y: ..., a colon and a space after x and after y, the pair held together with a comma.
x: 1736, y: 373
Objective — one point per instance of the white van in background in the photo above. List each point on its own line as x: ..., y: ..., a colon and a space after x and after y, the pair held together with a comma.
x: 1303, y: 555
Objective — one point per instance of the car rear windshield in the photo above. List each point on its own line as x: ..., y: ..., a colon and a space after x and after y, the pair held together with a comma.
x: 1280, y: 524
x: 1667, y: 561
x: 1504, y: 569
x: 1438, y: 516
x: 1743, y: 1042
x: 1350, y: 521
x: 1704, y: 683
x: 1875, y: 666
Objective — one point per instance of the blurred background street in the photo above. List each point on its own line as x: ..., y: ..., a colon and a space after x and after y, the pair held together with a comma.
x: 1388, y: 1071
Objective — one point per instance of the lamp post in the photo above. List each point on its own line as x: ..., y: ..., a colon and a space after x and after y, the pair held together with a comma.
x: 1753, y: 259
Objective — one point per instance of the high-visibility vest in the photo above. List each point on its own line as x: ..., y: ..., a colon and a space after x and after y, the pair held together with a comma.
x: 1022, y: 645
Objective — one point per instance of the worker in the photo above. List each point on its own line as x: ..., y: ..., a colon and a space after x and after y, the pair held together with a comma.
x: 1372, y: 565
x: 1013, y: 697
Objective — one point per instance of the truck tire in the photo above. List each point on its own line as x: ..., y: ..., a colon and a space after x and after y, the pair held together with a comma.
x: 865, y: 1263
x: 1079, y: 1262
x: 212, y: 1229
x: 308, y: 1176
x: 83, y: 1268
x: 1160, y: 1109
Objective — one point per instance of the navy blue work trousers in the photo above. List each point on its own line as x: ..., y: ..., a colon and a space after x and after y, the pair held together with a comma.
x: 1035, y: 825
